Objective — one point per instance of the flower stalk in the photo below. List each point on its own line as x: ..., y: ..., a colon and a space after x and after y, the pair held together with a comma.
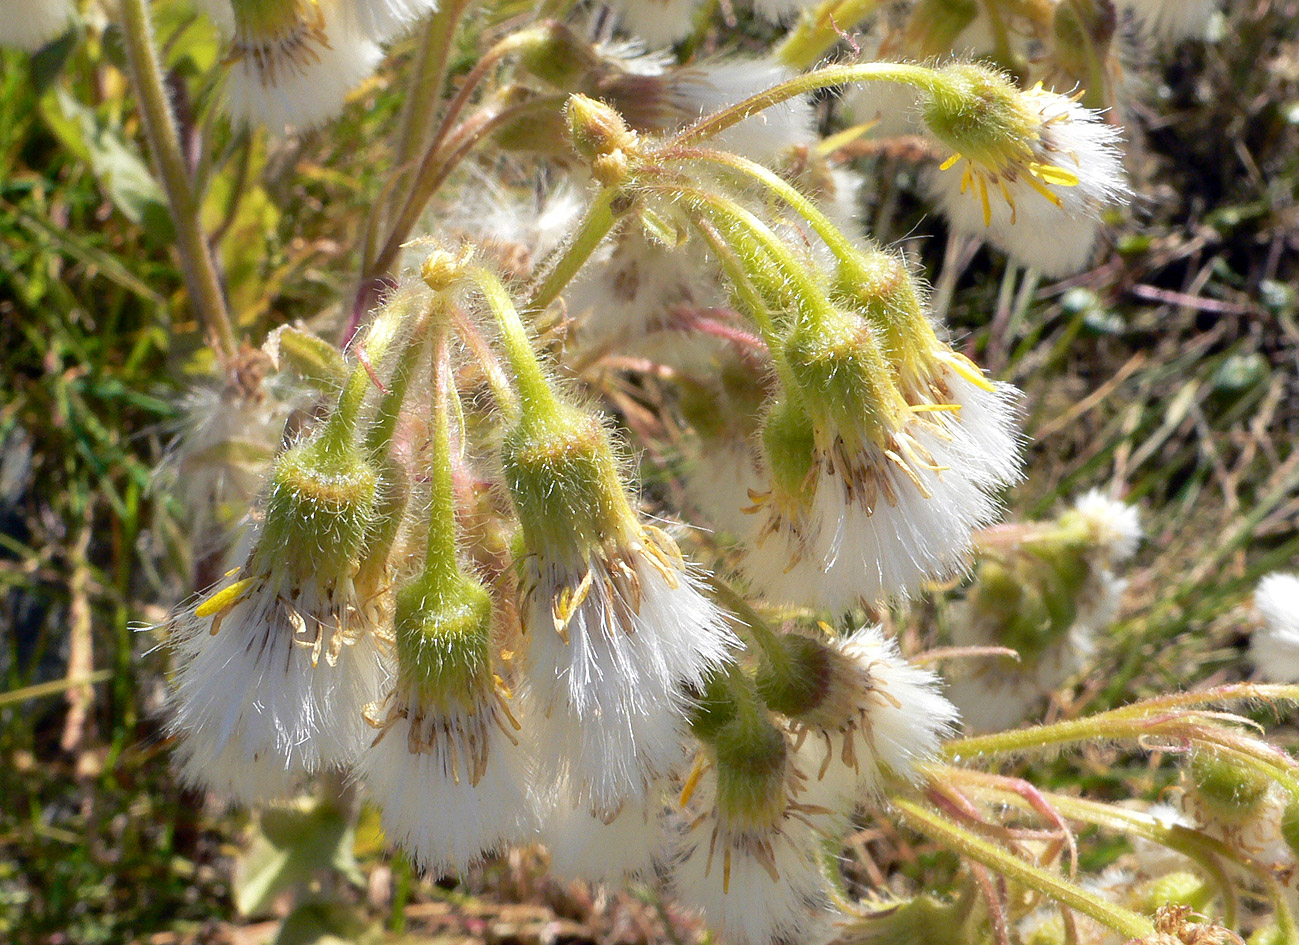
x: 159, y: 125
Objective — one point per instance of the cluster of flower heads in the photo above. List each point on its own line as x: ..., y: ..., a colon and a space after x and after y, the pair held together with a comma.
x: 594, y: 695
x: 1047, y: 591
x: 463, y: 606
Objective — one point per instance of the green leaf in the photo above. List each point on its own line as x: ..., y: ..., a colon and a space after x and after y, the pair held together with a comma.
x: 293, y: 843
x: 122, y: 173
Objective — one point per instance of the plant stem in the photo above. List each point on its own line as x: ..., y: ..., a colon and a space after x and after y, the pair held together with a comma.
x: 427, y: 81
x: 597, y: 223
x: 197, y: 267
x: 529, y: 378
x: 920, y: 77
x: 967, y: 844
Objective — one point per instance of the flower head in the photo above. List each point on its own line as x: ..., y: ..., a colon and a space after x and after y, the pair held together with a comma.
x: 616, y: 625
x: 1030, y: 170
x: 867, y: 714
x: 1274, y: 646
x: 292, y: 62
x: 447, y: 768
x: 750, y: 861
x: 275, y: 667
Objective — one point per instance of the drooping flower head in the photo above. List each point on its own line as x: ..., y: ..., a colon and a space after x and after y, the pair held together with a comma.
x: 1031, y: 171
x: 447, y: 770
x: 275, y: 667
x: 750, y: 864
x: 858, y: 712
x: 616, y: 625
x: 1274, y: 646
x: 1046, y: 590
x: 868, y: 499
x: 293, y: 62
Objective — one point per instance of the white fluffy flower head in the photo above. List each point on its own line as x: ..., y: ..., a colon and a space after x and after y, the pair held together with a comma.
x: 1031, y: 171
x: 293, y: 62
x: 1274, y: 646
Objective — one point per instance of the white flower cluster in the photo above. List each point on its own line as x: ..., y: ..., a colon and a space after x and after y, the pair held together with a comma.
x: 1048, y: 591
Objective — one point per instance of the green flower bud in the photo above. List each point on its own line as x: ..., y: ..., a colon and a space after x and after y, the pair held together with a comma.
x: 878, y: 286
x: 789, y: 444
x: 935, y: 25
x: 751, y: 756
x: 1182, y: 888
x: 596, y: 130
x: 443, y: 626
x: 712, y: 709
x: 563, y: 479
x: 799, y: 681
x: 1226, y: 788
x: 557, y: 56
x: 843, y: 377
x: 320, y: 507
x: 981, y: 115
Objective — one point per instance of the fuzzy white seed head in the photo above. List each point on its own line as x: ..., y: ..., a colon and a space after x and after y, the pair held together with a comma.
x: 451, y: 782
x: 1171, y: 20
x: 1044, y: 212
x: 878, y: 526
x: 656, y: 22
x: 630, y: 844
x: 30, y: 24
x: 1116, y: 525
x: 271, y: 686
x: 882, y: 715
x: 611, y: 647
x: 299, y: 73
x: 1274, y: 646
x: 754, y: 884
x: 382, y: 20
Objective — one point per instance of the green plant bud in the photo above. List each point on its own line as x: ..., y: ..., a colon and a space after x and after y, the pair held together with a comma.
x: 751, y: 756
x: 1014, y: 606
x: 320, y: 507
x: 263, y: 18
x: 879, y: 287
x: 443, y: 626
x: 563, y: 480
x: 1182, y: 888
x: 532, y: 131
x: 711, y: 709
x: 1290, y: 825
x: 789, y: 443
x: 799, y: 682
x: 843, y: 377
x: 1269, y: 935
x: 981, y: 115
x: 310, y: 357
x: 1228, y: 790
x: 557, y: 56
x: 934, y: 26
x: 596, y: 130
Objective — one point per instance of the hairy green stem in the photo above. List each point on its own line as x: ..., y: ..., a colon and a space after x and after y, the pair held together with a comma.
x: 595, y: 226
x: 921, y: 77
x: 967, y: 844
x: 197, y: 266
